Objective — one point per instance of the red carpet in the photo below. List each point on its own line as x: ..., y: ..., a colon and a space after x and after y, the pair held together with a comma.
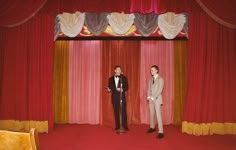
x: 97, y: 137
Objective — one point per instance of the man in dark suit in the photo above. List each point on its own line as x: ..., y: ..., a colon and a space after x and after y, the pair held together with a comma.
x: 118, y: 85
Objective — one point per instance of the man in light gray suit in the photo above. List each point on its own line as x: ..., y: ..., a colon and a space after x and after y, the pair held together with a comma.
x: 154, y: 97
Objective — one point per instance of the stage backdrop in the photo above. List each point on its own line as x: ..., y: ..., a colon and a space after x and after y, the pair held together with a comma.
x: 82, y: 69
x: 26, y: 58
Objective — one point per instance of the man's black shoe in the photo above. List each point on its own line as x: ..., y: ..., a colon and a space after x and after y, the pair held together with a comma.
x: 151, y: 130
x: 126, y: 129
x: 160, y: 135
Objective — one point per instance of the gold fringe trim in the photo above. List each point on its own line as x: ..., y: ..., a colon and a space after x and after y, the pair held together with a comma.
x: 24, y: 126
x: 208, y: 128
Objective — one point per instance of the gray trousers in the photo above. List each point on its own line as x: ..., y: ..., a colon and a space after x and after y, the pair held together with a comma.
x: 155, y: 111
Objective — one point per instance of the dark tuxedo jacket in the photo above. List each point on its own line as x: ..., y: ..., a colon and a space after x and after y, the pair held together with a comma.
x: 115, y: 95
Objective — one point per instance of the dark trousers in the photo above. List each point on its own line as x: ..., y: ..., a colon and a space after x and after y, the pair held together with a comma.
x: 117, y: 110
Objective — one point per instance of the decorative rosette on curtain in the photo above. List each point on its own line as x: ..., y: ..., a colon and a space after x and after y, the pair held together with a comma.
x: 146, y: 23
x: 96, y: 22
x: 71, y: 24
x: 120, y: 23
x: 171, y: 24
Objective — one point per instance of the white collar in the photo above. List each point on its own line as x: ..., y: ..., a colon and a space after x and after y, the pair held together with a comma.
x: 155, y: 76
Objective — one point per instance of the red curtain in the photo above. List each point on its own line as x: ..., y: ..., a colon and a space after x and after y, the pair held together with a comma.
x: 225, y: 12
x: 211, y: 72
x: 26, y: 67
x: 159, y: 6
x: 27, y: 70
x: 127, y: 54
x: 59, y: 6
x: 16, y: 12
x: 2, y: 39
x: 84, y: 81
x: 143, y: 6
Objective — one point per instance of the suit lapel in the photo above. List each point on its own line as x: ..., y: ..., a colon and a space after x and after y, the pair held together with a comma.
x: 114, y: 82
x: 157, y: 79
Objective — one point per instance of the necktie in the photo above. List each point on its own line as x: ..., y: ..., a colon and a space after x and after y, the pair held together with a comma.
x: 153, y: 80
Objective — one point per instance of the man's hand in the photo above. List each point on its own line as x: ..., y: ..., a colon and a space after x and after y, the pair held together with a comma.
x: 108, y: 89
x: 150, y: 99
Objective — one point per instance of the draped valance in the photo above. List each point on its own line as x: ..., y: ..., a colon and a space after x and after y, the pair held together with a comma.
x: 169, y: 25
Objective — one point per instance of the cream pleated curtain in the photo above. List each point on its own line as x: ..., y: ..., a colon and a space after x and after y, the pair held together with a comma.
x: 71, y: 24
x: 170, y: 24
x: 120, y: 23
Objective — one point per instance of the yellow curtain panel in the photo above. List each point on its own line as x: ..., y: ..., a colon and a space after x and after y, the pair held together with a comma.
x: 60, y: 82
x: 180, y: 65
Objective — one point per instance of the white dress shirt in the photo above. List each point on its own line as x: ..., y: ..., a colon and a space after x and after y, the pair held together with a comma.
x: 116, y: 80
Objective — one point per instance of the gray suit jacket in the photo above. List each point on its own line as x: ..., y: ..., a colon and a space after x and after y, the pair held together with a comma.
x: 155, y: 90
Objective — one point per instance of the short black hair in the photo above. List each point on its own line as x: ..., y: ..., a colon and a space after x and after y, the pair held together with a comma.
x: 156, y: 67
x: 117, y: 66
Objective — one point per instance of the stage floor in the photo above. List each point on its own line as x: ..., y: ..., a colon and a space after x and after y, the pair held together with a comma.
x: 98, y: 137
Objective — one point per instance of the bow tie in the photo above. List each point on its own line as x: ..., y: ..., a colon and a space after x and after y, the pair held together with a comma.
x: 117, y: 76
